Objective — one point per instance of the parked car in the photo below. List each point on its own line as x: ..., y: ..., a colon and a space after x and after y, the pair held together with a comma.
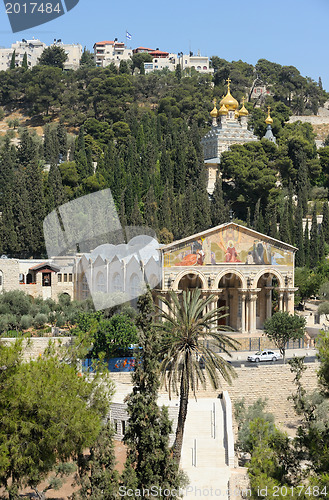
x: 264, y: 356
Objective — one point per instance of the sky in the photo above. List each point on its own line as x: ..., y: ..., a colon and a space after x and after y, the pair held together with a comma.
x: 288, y: 32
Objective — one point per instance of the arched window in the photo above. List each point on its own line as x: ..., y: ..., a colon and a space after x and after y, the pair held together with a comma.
x: 117, y: 283
x: 29, y: 278
x: 85, y: 288
x: 100, y: 282
x: 1, y: 280
x: 134, y: 286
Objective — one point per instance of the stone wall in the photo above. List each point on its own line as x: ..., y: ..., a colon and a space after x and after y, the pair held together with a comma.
x: 9, y: 269
x: 274, y: 382
x: 36, y: 346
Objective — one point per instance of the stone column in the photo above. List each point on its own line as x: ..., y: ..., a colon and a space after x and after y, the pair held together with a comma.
x: 281, y: 300
x: 291, y: 301
x: 268, y: 302
x: 243, y: 313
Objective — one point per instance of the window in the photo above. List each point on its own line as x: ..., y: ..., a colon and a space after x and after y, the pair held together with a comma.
x: 135, y: 286
x: 123, y: 426
x: 65, y: 278
x: 116, y: 426
x: 59, y: 278
x: 70, y: 277
x: 22, y: 278
x: 117, y: 283
x: 1, y: 281
x: 100, y: 282
x: 85, y: 288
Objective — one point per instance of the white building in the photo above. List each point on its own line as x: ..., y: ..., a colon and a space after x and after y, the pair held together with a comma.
x: 108, y: 52
x: 162, y: 60
x: 33, y: 49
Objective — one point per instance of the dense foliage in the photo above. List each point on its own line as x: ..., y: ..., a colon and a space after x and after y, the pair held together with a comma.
x: 140, y: 136
x: 48, y: 415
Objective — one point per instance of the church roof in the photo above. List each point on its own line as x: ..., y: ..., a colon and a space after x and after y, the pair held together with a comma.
x: 207, y: 232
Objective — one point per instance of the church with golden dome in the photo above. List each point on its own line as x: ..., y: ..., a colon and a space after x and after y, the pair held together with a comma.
x: 229, y: 126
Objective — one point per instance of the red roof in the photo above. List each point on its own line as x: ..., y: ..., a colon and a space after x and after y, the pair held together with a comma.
x: 159, y: 53
x: 104, y: 43
x: 143, y: 48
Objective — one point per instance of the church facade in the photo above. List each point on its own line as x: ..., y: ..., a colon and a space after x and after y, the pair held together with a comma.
x: 248, y: 273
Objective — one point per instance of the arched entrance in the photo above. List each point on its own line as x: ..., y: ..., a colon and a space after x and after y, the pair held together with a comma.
x: 230, y: 298
x: 190, y: 282
x: 269, y: 298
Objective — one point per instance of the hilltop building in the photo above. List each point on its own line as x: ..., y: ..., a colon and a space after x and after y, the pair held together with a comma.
x: 229, y: 126
x: 33, y: 50
x: 108, y: 52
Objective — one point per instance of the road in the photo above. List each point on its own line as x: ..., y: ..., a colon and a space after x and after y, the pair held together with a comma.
x: 239, y: 359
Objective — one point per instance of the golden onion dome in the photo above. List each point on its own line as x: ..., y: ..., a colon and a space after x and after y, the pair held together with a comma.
x: 223, y: 110
x: 243, y: 111
x: 214, y: 112
x: 236, y: 114
x: 268, y: 120
x: 229, y: 100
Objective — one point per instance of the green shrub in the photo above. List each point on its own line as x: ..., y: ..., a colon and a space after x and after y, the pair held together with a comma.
x: 40, y: 320
x: 26, y: 321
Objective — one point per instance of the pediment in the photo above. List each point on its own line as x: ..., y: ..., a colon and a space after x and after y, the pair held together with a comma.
x: 228, y: 244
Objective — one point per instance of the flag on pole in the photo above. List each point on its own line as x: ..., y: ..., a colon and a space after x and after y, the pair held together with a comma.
x: 128, y: 35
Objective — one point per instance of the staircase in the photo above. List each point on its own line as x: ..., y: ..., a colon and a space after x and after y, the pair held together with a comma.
x: 203, y: 451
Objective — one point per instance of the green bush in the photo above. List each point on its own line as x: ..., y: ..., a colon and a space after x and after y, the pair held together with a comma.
x: 26, y: 321
x: 40, y: 320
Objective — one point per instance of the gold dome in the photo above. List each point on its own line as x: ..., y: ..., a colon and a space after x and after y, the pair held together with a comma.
x: 214, y: 112
x: 268, y: 120
x: 229, y: 100
x: 236, y: 114
x: 223, y: 110
x: 243, y: 111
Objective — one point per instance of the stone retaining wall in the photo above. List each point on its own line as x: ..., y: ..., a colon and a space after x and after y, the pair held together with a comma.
x: 36, y: 346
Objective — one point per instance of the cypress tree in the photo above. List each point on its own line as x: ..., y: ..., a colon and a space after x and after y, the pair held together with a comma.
x: 150, y: 210
x: 149, y: 461
x: 188, y: 212
x: 13, y: 60
x: 314, y: 241
x: 325, y: 221
x: 248, y: 221
x: 302, y: 186
x: 136, y: 218
x: 219, y: 209
x: 299, y: 240
x: 165, y: 209
x: 97, y: 477
x: 9, y: 241
x: 256, y: 214
x: 290, y: 207
x: 307, y: 244
x: 24, y: 62
x: 62, y: 140
x: 322, y: 245
x: 271, y: 221
x: 284, y: 225
x: 55, y: 194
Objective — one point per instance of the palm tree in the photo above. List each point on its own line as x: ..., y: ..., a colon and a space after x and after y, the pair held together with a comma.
x: 184, y: 327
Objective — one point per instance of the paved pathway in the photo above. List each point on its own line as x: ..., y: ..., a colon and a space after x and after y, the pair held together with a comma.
x: 203, y: 452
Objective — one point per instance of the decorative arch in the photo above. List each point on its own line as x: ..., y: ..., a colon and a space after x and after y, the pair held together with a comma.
x: 274, y: 272
x: 234, y: 271
x: 186, y: 272
x: 135, y: 285
x: 100, y: 282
